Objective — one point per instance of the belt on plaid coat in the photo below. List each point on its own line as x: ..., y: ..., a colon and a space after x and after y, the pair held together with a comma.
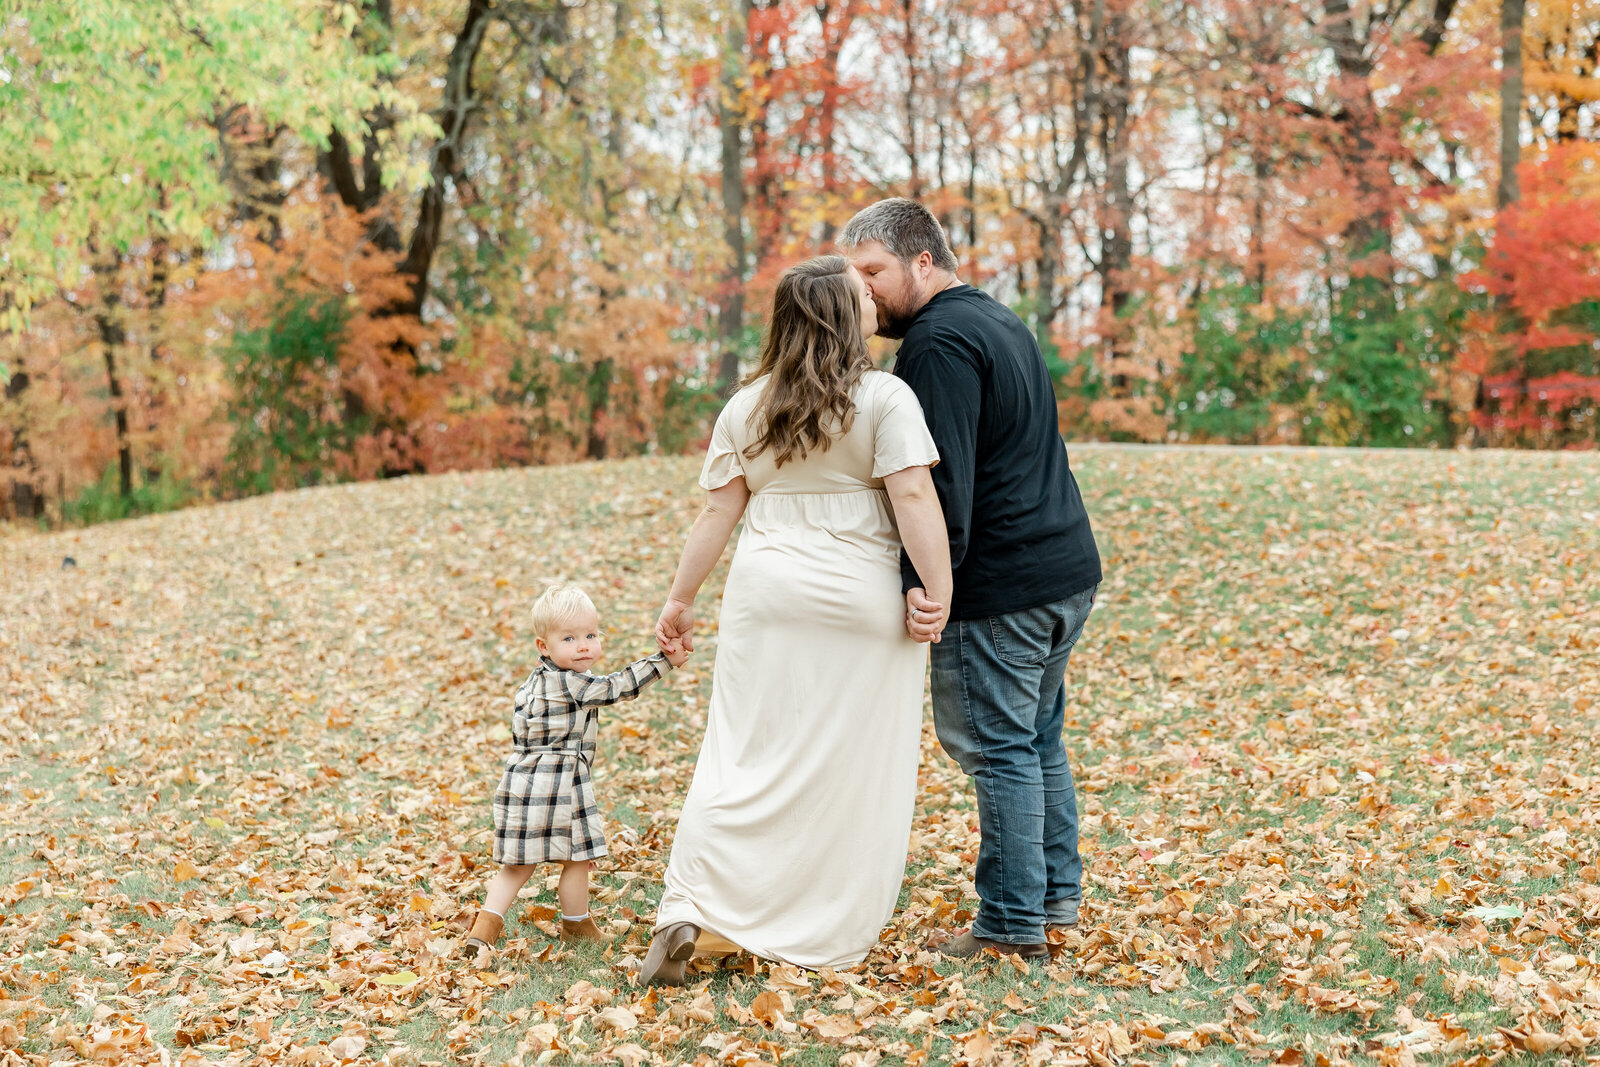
x: 564, y: 748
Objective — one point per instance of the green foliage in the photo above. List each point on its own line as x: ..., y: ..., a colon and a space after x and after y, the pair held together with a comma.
x: 1582, y: 357
x: 103, y: 500
x: 1371, y: 383
x: 289, y: 423
x: 1241, y: 364
x: 688, y: 408
x: 1360, y: 377
x: 108, y: 106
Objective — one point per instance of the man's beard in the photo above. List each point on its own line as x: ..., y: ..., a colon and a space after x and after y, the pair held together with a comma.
x: 893, y: 322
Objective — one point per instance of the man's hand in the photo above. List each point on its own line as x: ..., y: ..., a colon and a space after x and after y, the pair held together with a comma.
x: 675, y: 628
x: 925, y: 618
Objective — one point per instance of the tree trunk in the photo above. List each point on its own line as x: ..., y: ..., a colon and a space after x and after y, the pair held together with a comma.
x: 455, y: 109
x: 157, y: 402
x: 1511, y: 17
x: 108, y: 317
x: 1368, y: 237
x: 1045, y: 267
x: 1116, y: 238
x: 27, y: 500
x: 1261, y: 168
x: 834, y: 34
x: 909, y: 43
x: 1506, y: 190
x: 971, y: 197
x: 363, y: 192
x: 766, y: 216
x: 1438, y: 22
x: 599, y: 409
x: 600, y: 377
x: 730, y: 120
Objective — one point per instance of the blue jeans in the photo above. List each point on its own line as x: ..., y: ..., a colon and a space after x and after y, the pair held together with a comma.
x: 999, y: 696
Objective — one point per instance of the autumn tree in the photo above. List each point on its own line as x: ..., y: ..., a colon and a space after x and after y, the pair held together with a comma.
x: 110, y: 161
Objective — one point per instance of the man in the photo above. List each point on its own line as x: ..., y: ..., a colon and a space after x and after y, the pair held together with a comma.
x: 1026, y: 569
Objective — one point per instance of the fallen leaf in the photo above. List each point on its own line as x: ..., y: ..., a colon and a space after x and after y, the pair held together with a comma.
x: 347, y: 1046
x: 617, y: 1018
x: 1540, y: 1042
x: 836, y: 1026
x: 770, y: 1007
x: 789, y: 978
x: 397, y: 978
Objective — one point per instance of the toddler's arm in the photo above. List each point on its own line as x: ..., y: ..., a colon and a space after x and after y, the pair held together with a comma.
x: 589, y: 691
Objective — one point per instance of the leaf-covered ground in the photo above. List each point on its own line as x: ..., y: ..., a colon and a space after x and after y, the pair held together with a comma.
x: 1333, y: 722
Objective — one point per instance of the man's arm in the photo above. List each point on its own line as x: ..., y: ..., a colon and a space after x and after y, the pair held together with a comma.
x: 951, y: 393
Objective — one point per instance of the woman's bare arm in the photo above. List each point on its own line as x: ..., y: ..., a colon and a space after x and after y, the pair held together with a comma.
x: 706, y: 542
x: 922, y: 530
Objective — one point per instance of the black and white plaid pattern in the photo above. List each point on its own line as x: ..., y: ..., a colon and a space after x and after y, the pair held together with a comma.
x: 544, y: 807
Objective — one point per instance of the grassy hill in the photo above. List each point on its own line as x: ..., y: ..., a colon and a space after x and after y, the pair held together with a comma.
x: 1333, y: 723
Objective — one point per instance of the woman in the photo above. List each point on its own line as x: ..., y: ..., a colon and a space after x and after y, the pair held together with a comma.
x: 792, y: 841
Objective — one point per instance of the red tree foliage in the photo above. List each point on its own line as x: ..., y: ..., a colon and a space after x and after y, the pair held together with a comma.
x: 1543, y: 268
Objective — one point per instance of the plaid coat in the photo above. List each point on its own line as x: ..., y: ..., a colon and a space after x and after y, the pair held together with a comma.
x: 544, y: 807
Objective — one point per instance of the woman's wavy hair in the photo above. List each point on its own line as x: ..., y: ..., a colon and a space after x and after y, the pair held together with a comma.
x: 814, y: 355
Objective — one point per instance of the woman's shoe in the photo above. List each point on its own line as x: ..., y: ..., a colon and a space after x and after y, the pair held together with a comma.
x: 484, y: 935
x: 582, y: 930
x: 670, y: 950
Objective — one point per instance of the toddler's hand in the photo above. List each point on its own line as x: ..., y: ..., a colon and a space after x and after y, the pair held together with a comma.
x: 677, y: 656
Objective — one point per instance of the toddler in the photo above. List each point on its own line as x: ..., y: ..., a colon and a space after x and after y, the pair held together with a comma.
x: 544, y: 807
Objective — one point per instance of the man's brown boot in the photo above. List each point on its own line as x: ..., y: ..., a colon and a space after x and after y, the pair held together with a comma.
x: 967, y: 945
x: 484, y: 935
x: 582, y: 930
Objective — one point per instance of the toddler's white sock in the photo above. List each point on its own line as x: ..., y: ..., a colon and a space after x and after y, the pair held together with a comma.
x: 574, y: 918
x: 491, y: 911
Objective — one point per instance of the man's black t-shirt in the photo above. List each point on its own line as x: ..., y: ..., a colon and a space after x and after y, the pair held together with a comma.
x: 1019, y: 535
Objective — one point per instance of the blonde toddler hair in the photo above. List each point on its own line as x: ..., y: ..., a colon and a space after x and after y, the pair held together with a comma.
x: 556, y: 605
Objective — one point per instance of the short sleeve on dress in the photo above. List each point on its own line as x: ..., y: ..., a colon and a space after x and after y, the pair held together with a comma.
x: 722, y: 457
x: 901, y: 438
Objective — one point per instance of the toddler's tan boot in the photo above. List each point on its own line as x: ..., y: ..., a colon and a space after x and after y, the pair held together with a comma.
x: 484, y: 935
x: 582, y: 930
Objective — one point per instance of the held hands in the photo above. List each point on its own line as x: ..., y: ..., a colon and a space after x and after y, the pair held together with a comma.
x: 675, y: 631
x: 925, y: 618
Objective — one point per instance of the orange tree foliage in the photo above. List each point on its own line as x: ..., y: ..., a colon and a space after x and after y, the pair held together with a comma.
x: 94, y: 352
x: 318, y: 391
x: 327, y: 385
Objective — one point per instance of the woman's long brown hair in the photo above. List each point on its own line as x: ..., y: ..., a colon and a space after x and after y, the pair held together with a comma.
x: 814, y: 354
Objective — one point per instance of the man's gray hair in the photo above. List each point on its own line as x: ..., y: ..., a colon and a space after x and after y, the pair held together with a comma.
x: 904, y: 227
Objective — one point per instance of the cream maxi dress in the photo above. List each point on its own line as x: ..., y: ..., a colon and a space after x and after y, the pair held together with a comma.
x: 792, y: 841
